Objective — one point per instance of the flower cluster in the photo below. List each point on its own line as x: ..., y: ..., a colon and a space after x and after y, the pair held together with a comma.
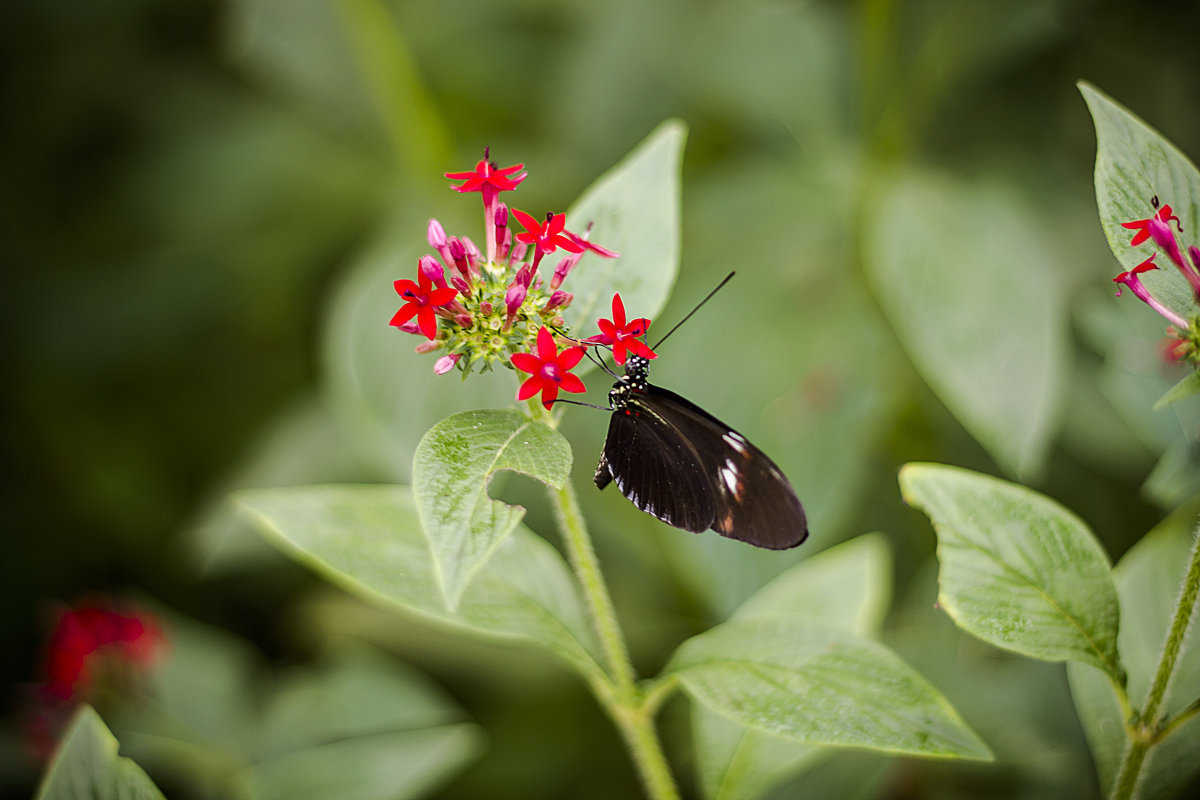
x: 1183, y: 334
x: 481, y: 307
x: 495, y: 307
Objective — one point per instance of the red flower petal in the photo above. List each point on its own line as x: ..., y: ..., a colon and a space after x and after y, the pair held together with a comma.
x: 547, y: 349
x: 572, y: 383
x: 529, y: 388
x: 428, y: 322
x: 618, y: 310
x: 526, y: 362
x: 569, y: 358
x: 406, y: 312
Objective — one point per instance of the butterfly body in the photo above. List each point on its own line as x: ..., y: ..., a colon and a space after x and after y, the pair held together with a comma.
x: 675, y: 461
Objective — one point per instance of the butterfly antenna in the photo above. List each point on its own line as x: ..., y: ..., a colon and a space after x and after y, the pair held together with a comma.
x: 579, y: 403
x: 697, y: 308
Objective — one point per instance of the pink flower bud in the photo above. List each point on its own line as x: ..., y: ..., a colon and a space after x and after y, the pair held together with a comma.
x: 559, y: 299
x: 425, y: 347
x: 514, y: 297
x: 524, y: 276
x: 518, y: 252
x: 458, y: 282
x: 436, y: 234
x: 561, y: 271
x: 409, y: 327
x: 446, y: 363
x: 432, y: 269
x: 486, y: 308
x: 501, y: 220
x: 464, y: 320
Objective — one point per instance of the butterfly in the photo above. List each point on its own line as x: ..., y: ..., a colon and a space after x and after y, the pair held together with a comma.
x: 675, y: 461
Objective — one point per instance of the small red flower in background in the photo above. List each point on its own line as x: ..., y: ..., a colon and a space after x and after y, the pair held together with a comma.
x: 550, y: 370
x: 487, y: 178
x: 622, y: 335
x: 89, y: 638
x: 92, y: 653
x: 420, y: 301
x: 1142, y: 226
x: 546, y: 236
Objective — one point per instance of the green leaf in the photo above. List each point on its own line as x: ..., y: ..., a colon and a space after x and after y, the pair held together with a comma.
x: 1148, y: 578
x: 1188, y: 385
x: 1017, y: 569
x: 933, y: 248
x: 368, y: 540
x: 845, y: 587
x: 87, y: 767
x: 360, y: 727
x: 798, y: 679
x: 452, y: 467
x: 634, y: 210
x: 1134, y: 164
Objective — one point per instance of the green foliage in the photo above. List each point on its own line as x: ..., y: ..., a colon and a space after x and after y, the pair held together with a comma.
x: 87, y: 767
x: 844, y: 587
x: 452, y: 468
x: 801, y: 679
x: 355, y: 724
x: 1017, y: 569
x: 634, y: 208
x: 369, y: 540
x: 1148, y: 582
x: 998, y: 366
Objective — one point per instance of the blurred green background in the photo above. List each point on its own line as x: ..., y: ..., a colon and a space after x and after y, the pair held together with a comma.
x: 197, y: 195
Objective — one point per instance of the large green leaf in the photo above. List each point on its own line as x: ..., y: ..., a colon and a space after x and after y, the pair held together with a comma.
x: 359, y: 727
x: 452, y: 467
x: 368, y: 540
x: 799, y: 679
x: 87, y: 767
x: 844, y: 587
x: 1135, y: 164
x: 634, y: 210
x: 1017, y: 569
x: 969, y: 282
x: 1148, y: 578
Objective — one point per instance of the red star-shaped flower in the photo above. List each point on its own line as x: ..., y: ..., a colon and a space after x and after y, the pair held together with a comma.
x: 622, y: 335
x: 488, y: 179
x: 1142, y: 226
x: 545, y: 236
x: 420, y: 301
x: 550, y: 370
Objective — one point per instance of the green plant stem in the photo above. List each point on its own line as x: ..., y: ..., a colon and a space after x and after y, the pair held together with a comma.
x: 626, y: 705
x: 1146, y: 728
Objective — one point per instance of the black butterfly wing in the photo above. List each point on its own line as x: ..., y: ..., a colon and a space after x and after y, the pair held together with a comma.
x: 656, y: 468
x: 687, y: 456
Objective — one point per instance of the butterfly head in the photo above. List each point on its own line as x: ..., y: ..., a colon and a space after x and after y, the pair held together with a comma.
x: 637, y: 369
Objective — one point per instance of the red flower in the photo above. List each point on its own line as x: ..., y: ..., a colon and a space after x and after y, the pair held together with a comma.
x: 487, y: 179
x: 551, y: 370
x: 546, y: 236
x: 1142, y: 226
x: 86, y: 638
x: 420, y: 301
x: 621, y: 335
x: 1131, y: 280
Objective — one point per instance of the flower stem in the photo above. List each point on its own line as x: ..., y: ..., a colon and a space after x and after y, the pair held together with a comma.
x: 1147, y: 729
x: 626, y: 705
